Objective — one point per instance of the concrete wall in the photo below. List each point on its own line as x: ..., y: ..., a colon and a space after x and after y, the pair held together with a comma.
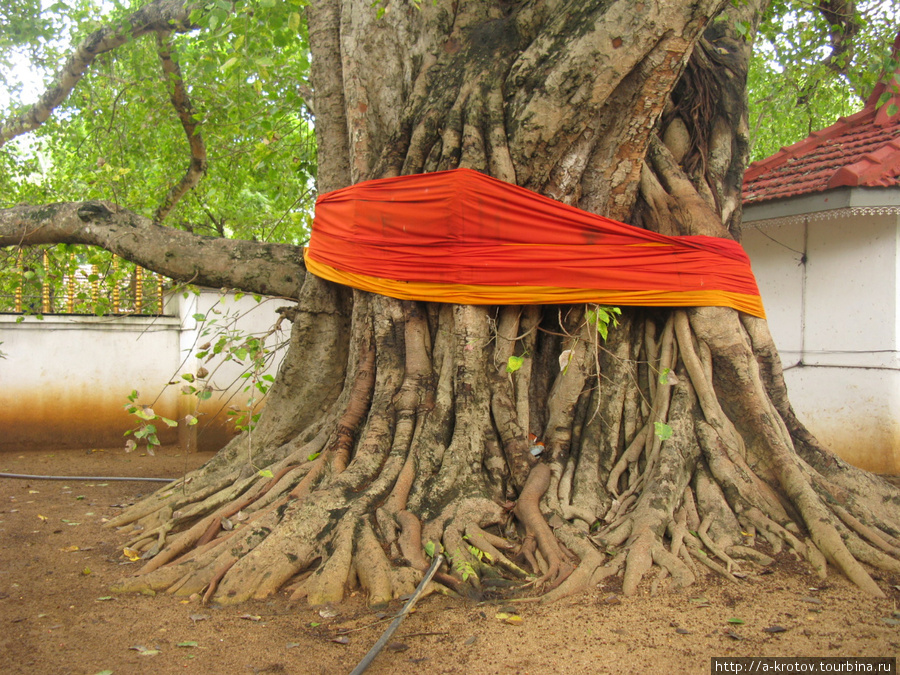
x: 66, y: 379
x: 830, y: 287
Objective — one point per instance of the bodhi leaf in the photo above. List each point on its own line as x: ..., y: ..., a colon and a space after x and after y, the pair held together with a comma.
x: 662, y: 430
x: 514, y: 363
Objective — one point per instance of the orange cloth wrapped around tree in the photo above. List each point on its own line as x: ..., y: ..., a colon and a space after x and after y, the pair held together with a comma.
x: 463, y: 237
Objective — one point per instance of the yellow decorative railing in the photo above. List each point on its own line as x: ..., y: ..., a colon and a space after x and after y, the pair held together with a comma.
x: 78, y: 280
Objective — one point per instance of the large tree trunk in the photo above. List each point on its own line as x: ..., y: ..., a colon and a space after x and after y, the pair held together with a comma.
x: 394, y: 423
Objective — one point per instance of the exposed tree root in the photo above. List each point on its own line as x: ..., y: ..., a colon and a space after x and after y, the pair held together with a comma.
x: 703, y: 474
x: 516, y: 439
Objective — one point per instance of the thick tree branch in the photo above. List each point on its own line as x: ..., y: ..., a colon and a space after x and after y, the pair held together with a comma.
x: 182, y: 103
x: 162, y: 15
x: 272, y: 269
x: 328, y: 98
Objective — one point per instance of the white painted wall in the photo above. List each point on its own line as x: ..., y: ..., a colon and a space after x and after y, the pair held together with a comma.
x: 830, y: 288
x: 65, y: 379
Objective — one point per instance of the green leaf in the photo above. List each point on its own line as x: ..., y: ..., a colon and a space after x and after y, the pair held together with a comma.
x: 199, y: 317
x: 664, y: 375
x: 735, y: 621
x: 429, y: 549
x: 603, y: 329
x: 313, y: 456
x: 513, y: 363
x: 266, y: 473
x: 662, y: 430
x: 187, y: 643
x: 168, y: 422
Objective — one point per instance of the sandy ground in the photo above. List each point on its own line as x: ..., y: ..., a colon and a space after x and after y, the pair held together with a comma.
x: 58, y: 616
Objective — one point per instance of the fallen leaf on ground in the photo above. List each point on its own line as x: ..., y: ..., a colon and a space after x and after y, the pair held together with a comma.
x: 144, y: 651
x: 250, y: 617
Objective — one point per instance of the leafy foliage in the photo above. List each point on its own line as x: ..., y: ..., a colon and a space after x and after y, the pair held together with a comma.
x: 807, y: 72
x: 118, y: 136
x: 78, y: 280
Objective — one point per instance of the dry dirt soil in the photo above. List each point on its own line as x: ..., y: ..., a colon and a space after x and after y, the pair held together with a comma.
x: 58, y: 616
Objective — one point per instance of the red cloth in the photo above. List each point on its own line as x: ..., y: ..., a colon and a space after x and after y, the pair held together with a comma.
x: 464, y: 228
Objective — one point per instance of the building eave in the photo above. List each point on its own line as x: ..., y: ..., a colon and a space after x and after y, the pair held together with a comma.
x: 836, y: 203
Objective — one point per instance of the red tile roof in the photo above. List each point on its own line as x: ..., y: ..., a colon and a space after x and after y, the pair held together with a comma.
x: 860, y: 150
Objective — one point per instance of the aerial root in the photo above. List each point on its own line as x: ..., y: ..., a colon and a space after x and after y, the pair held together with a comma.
x: 822, y: 523
x: 583, y: 578
x: 491, y: 545
x: 373, y: 569
x: 217, y: 577
x: 864, y: 552
x: 172, y: 497
x: 410, y: 542
x: 713, y: 547
x: 645, y: 551
x: 548, y: 547
x: 751, y: 554
x: 875, y: 536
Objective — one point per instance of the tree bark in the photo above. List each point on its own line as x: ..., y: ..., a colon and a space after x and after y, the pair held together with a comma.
x: 271, y: 269
x: 161, y: 16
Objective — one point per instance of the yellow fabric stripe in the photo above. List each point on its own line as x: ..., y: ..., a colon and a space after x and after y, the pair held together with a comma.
x: 466, y: 294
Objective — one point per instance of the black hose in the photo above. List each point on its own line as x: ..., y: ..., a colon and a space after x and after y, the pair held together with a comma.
x: 92, y: 478
x: 382, y: 641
